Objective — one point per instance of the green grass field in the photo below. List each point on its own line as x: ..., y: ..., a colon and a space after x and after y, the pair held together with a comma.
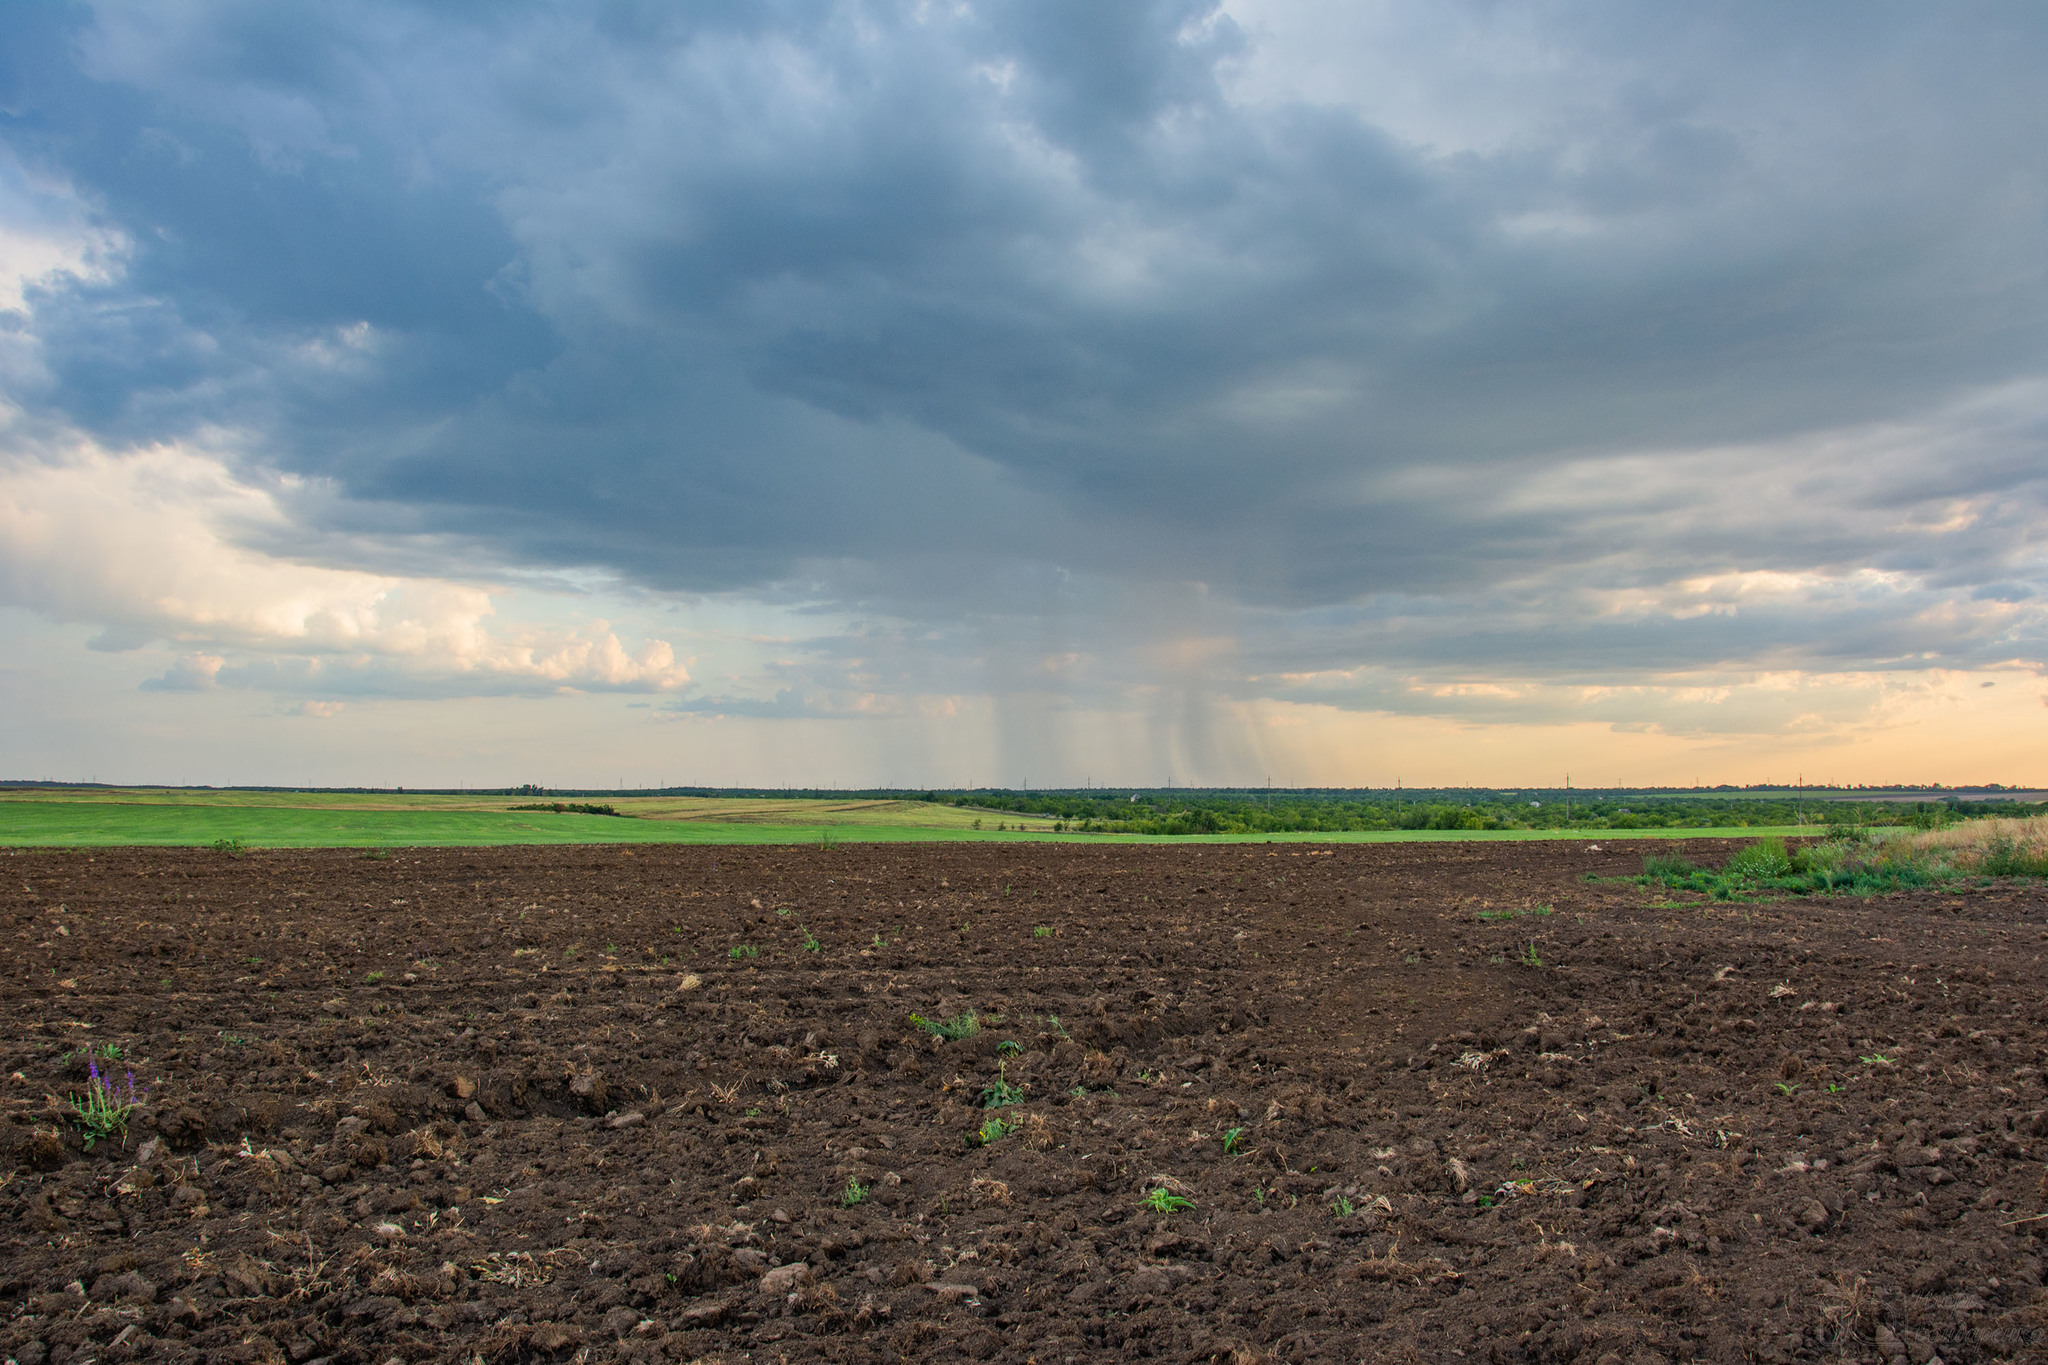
x: 87, y: 819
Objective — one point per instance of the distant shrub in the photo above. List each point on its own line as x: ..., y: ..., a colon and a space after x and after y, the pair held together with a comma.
x: 577, y: 808
x: 1766, y: 858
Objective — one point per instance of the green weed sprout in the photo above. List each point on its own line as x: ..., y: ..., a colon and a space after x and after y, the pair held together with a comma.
x: 1165, y: 1201
x: 853, y: 1193
x: 1788, y: 1087
x: 741, y: 950
x: 1875, y: 1059
x: 373, y: 978
x: 1009, y: 1047
x: 1529, y: 956
x: 1001, y: 1094
x: 811, y: 944
x: 105, y: 1109
x: 1343, y: 1208
x: 1043, y: 931
x: 1494, y: 916
x: 1233, y: 1140
x: 950, y: 1030
x: 993, y: 1130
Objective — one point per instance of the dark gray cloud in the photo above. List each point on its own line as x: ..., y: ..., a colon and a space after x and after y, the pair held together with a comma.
x: 1027, y: 325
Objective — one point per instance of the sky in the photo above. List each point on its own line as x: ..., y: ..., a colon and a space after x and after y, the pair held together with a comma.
x: 1013, y: 392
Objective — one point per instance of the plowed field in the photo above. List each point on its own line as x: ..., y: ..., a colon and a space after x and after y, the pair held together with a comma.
x: 1429, y: 1102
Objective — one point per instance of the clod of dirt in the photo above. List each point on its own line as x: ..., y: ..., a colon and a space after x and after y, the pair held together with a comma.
x: 786, y: 1278
x: 589, y: 1087
x: 556, y: 1336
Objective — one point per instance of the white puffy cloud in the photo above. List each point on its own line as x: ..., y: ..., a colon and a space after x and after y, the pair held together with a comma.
x: 161, y: 544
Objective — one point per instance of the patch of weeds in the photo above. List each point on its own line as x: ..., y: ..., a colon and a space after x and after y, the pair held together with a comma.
x: 1343, y: 1207
x: 950, y: 1030
x: 1529, y: 957
x: 742, y: 950
x: 1233, y: 1141
x: 1165, y: 1201
x: 1079, y: 1092
x: 1057, y: 1029
x: 853, y: 1193
x: 571, y: 950
x: 1668, y: 867
x: 1876, y: 1059
x: 105, y: 1107
x: 1412, y: 959
x: 1009, y: 1047
x: 1498, y: 959
x: 373, y: 978
x: 233, y: 1039
x: 811, y: 944
x: 1043, y: 931
x: 753, y: 1113
x: 879, y: 942
x: 234, y: 848
x: 1496, y: 916
x: 993, y: 1129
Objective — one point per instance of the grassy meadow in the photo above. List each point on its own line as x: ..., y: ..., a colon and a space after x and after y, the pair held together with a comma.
x: 107, y: 817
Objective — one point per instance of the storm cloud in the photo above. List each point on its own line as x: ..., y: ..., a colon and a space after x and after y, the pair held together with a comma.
x: 1165, y: 357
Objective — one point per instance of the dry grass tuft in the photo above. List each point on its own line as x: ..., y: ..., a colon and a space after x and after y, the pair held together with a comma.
x: 1992, y: 847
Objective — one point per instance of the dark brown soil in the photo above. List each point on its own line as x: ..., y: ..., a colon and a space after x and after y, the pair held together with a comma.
x: 523, y: 1104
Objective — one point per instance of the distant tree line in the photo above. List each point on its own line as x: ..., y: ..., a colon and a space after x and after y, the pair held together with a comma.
x: 1294, y: 812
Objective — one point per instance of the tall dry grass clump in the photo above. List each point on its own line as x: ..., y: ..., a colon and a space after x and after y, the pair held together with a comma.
x: 1986, y: 848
